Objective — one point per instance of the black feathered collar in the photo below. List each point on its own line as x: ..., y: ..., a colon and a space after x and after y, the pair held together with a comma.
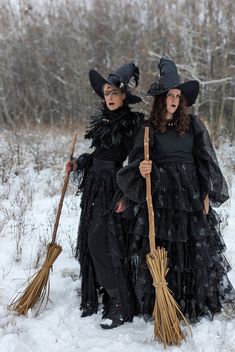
x: 108, y: 128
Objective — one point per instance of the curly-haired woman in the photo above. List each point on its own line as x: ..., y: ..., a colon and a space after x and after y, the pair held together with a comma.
x: 186, y: 183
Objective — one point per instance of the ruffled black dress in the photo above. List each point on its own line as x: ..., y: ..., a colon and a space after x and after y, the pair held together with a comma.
x: 185, y: 169
x: 102, y: 243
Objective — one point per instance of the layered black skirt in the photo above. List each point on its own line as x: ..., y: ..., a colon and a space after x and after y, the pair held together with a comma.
x: 100, y: 191
x: 197, y: 266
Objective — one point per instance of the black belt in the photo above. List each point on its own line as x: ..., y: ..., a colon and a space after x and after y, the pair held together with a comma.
x: 175, y: 160
x: 105, y: 164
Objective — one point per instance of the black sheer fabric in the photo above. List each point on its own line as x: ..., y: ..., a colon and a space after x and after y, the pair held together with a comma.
x: 211, y: 180
x: 185, y: 169
x: 111, y: 135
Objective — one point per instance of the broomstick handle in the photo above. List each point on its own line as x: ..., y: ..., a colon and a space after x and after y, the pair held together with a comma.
x: 149, y: 195
x: 66, y: 181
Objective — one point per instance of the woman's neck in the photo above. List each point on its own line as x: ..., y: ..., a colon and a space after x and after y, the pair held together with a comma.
x: 117, y: 111
x: 169, y: 116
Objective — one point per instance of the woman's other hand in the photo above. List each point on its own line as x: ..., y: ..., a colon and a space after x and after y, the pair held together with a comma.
x: 120, y: 206
x: 71, y: 165
x: 145, y: 167
x: 206, y: 204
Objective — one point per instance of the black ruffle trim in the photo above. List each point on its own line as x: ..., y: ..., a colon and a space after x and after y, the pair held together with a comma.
x: 197, y: 267
x: 108, y: 128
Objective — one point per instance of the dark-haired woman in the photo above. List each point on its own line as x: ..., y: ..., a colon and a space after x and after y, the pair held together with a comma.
x: 186, y: 183
x: 101, y: 239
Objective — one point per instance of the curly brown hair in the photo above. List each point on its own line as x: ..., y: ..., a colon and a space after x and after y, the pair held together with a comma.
x: 180, y: 118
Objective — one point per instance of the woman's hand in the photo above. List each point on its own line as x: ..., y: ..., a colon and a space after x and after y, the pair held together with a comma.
x: 120, y: 206
x: 145, y: 167
x: 206, y: 205
x: 71, y: 165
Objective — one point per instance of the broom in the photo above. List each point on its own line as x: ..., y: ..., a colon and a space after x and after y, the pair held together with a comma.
x: 39, y: 288
x: 166, y: 313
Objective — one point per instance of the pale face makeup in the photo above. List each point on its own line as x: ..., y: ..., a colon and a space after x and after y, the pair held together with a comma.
x: 172, y: 102
x: 113, y: 97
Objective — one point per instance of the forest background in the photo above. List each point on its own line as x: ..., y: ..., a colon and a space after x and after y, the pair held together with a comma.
x: 47, y: 48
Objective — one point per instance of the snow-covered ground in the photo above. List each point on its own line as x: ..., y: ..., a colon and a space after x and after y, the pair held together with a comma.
x: 29, y: 194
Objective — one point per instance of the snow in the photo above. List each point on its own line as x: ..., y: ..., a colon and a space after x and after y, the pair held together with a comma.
x: 29, y: 200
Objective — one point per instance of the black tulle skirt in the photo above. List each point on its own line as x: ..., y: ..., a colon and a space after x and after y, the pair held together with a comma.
x: 197, y: 266
x: 100, y: 185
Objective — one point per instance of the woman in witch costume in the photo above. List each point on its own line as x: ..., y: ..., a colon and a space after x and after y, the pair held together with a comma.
x: 186, y: 183
x: 101, y: 246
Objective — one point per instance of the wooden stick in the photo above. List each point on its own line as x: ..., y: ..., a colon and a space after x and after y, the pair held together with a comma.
x: 149, y: 196
x: 66, y: 181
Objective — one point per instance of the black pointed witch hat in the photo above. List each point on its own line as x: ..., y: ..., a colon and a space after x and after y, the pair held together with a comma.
x: 169, y: 79
x: 120, y: 79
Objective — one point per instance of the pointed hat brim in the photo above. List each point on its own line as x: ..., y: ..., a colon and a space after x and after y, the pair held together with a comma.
x: 97, y: 83
x: 189, y: 89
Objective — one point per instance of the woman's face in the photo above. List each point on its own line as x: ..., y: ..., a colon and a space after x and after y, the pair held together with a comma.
x: 113, y: 97
x: 172, y: 101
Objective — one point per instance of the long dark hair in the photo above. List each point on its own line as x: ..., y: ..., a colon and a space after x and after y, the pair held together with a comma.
x: 180, y: 117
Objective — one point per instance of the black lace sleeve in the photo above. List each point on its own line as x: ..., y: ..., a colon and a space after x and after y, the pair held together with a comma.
x: 84, y: 162
x: 211, y: 179
x: 129, y: 179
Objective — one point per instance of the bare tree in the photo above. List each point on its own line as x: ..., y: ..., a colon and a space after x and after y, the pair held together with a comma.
x: 46, y: 53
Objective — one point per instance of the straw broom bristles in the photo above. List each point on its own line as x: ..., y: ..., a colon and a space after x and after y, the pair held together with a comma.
x: 39, y: 288
x: 166, y: 313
